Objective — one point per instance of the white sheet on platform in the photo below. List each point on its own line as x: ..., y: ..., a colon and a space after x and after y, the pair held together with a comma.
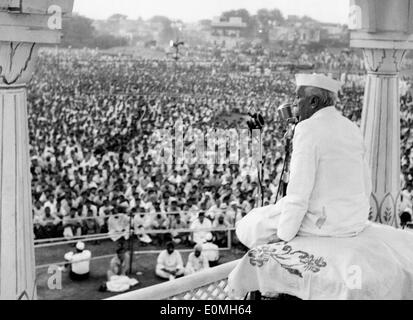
x: 376, y: 264
x: 120, y: 283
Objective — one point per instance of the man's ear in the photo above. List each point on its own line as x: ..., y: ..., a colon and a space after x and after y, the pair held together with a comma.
x: 314, y: 101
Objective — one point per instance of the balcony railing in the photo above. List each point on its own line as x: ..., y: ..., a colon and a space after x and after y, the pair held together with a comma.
x: 210, y: 284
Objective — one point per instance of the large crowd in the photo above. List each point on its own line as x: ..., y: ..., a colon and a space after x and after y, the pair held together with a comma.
x: 94, y: 123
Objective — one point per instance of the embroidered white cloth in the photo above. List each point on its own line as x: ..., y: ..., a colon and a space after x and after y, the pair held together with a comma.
x: 377, y: 264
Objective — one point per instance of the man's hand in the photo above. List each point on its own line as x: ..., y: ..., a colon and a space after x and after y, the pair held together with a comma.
x: 274, y: 239
x: 166, y: 270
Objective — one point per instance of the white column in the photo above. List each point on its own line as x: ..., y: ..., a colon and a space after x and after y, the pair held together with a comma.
x: 17, y: 263
x: 381, y: 130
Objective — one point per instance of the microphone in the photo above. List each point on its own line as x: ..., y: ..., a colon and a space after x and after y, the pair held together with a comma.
x: 285, y: 114
x: 256, y: 122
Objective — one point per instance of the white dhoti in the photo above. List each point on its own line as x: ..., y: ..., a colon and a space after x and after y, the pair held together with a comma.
x: 259, y: 226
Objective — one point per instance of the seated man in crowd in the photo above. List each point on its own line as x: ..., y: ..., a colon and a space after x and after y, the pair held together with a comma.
x: 159, y: 222
x: 119, y: 265
x: 197, y: 261
x: 118, y: 281
x: 91, y: 223
x: 177, y: 224
x: 221, y: 237
x: 49, y: 224
x: 118, y: 226
x: 169, y: 264
x: 72, y: 225
x: 211, y: 251
x: 329, y: 186
x: 200, y: 225
x: 140, y: 223
x: 79, y: 262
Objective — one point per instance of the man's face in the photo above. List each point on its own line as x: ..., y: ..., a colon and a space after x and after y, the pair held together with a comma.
x: 301, y: 107
x: 170, y: 249
x: 197, y: 253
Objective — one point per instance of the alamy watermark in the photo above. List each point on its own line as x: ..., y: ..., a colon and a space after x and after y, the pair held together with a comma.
x: 215, y: 146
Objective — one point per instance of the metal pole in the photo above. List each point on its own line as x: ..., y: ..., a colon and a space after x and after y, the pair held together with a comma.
x: 286, y: 160
x: 130, y: 244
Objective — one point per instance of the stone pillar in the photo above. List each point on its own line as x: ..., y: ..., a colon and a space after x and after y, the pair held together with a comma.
x: 23, y: 25
x: 384, y: 31
x: 381, y: 129
x: 17, y: 263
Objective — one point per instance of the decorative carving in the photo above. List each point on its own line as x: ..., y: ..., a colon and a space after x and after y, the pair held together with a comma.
x: 383, y: 61
x: 16, y: 62
x: 387, y: 210
x: 295, y: 262
x: 214, y: 291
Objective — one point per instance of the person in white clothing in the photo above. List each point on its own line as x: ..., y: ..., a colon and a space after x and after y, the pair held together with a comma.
x: 79, y: 262
x: 118, y: 226
x: 200, y: 224
x: 329, y: 184
x: 169, y: 264
x: 197, y: 261
x: 211, y: 251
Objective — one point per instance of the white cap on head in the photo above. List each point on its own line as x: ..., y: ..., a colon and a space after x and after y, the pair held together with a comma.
x: 318, y: 81
x: 80, y: 246
x: 209, y: 236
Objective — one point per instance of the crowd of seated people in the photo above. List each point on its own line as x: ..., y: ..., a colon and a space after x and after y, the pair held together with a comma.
x: 94, y: 130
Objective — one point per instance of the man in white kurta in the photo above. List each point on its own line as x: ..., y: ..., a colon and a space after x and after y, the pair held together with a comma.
x: 329, y: 184
x: 202, y: 226
x: 169, y: 264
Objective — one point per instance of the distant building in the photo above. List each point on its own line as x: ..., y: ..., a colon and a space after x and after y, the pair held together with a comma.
x: 309, y: 35
x: 302, y: 35
x: 227, y: 33
x: 277, y: 34
x: 333, y: 31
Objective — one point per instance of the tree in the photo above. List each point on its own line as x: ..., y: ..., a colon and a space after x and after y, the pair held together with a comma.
x: 117, y: 17
x: 77, y: 31
x: 246, y: 18
x: 266, y: 17
x: 161, y: 19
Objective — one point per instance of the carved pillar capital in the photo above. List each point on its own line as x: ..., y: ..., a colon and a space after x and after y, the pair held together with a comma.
x: 383, y: 61
x: 17, y: 61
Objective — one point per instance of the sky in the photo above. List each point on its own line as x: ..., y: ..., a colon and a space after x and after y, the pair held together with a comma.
x: 194, y: 10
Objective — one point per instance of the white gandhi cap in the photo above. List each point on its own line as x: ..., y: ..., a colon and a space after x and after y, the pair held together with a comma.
x: 80, y: 246
x: 318, y: 81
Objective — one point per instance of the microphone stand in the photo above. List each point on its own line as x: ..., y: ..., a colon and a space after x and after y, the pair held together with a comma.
x: 287, y: 148
x: 260, y: 168
x: 130, y: 243
x: 257, y: 122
